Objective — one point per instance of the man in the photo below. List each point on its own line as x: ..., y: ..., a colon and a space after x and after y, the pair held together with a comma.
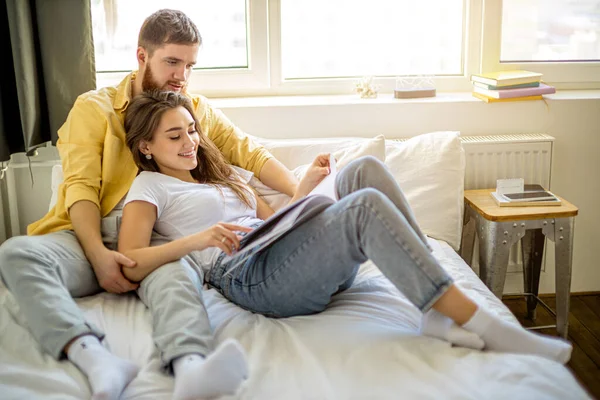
x: 70, y: 252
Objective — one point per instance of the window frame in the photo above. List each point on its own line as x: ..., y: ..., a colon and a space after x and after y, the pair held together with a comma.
x: 481, y: 53
x: 227, y: 80
x: 563, y: 75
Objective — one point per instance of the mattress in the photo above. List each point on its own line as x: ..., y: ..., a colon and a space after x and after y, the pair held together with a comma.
x: 364, y: 346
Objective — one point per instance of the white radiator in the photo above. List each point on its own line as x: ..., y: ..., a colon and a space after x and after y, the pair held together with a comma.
x: 527, y: 156
x: 488, y: 158
x: 25, y: 190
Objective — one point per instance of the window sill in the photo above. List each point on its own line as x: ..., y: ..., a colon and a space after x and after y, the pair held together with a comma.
x: 384, y: 98
x: 349, y: 115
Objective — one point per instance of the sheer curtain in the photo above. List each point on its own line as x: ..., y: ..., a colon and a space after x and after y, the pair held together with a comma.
x: 48, y: 52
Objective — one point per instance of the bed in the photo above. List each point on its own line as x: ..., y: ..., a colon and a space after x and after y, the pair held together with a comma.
x: 364, y: 346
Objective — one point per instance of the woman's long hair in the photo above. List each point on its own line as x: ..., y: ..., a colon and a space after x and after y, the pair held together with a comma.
x: 141, y: 121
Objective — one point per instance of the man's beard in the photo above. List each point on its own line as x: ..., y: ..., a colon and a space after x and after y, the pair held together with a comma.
x: 149, y: 83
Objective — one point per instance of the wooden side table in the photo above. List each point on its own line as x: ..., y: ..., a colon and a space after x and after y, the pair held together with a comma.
x: 498, y: 228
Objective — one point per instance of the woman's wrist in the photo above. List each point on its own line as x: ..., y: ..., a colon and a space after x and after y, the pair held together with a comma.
x: 297, y: 196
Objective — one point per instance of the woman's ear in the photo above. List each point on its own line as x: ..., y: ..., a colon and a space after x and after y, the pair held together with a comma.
x: 143, y: 147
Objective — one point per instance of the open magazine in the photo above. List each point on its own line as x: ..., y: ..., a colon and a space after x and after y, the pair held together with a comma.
x: 321, y: 197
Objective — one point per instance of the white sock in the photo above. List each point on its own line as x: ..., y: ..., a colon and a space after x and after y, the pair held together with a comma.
x: 439, y: 326
x: 503, y: 336
x: 221, y: 373
x: 108, y: 374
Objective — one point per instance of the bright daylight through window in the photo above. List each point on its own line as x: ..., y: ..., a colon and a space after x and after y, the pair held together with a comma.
x: 340, y: 38
x: 308, y: 47
x: 222, y: 25
x: 550, y: 30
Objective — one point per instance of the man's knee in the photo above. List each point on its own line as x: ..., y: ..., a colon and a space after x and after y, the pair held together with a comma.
x: 13, y: 256
x: 13, y: 249
x: 24, y: 254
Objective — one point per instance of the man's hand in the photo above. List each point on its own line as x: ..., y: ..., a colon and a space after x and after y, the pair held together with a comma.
x: 107, y: 267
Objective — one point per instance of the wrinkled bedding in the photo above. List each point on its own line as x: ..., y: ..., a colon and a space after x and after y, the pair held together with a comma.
x: 364, y: 346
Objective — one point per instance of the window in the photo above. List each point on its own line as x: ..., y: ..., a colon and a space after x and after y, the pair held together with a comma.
x: 559, y: 38
x: 271, y: 47
x: 338, y: 38
x: 222, y: 25
x: 550, y: 30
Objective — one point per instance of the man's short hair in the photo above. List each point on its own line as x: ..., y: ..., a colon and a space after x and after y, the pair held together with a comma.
x: 168, y: 27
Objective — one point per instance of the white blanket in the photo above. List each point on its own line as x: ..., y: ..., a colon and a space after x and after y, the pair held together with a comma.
x: 364, y: 346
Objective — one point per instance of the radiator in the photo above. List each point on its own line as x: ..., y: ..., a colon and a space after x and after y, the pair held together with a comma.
x: 25, y: 190
x: 527, y: 156
x: 488, y: 158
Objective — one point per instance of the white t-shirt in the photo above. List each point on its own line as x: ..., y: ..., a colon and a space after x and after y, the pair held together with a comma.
x: 185, y: 208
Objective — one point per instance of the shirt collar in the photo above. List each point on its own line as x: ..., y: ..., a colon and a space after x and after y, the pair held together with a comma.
x: 124, y: 91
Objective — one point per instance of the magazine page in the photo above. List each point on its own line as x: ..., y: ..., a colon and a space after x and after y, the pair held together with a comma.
x: 327, y: 186
x: 321, y: 197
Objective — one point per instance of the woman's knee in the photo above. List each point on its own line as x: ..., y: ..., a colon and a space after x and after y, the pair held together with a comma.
x: 366, y: 205
x: 371, y: 198
x: 367, y: 164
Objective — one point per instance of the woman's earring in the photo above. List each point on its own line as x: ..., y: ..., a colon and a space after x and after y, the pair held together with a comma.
x: 148, y: 156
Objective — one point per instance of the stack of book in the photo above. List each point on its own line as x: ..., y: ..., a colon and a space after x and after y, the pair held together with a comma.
x: 509, y: 86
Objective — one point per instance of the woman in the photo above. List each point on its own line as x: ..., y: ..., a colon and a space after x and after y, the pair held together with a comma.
x: 187, y: 193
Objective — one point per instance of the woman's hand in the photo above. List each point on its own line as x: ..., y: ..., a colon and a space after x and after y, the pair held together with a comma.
x: 315, y: 173
x: 221, y: 235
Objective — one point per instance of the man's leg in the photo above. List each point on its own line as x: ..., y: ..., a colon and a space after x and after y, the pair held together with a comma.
x: 183, y: 334
x: 43, y: 273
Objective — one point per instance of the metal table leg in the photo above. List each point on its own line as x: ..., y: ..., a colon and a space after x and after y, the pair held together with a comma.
x: 495, y: 241
x: 563, y: 245
x: 468, y: 237
x: 532, y: 246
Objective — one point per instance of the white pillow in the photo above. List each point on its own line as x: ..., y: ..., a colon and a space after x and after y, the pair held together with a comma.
x: 305, y: 151
x: 430, y: 169
x: 295, y: 152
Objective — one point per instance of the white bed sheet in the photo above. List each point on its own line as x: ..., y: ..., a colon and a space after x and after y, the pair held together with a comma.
x: 364, y: 346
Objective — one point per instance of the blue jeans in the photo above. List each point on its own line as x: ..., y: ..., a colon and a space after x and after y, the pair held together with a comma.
x: 300, y: 272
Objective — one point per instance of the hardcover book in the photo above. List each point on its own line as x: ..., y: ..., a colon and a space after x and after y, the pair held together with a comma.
x: 493, y: 100
x: 492, y: 87
x: 506, y: 78
x: 511, y: 93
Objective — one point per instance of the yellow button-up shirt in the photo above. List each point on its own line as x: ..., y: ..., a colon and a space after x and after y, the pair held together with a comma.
x: 97, y: 164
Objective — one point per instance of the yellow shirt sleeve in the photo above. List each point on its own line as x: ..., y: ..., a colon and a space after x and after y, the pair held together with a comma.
x: 80, y: 144
x: 237, y: 147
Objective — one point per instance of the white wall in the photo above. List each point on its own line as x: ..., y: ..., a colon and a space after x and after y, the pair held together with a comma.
x: 573, y: 118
